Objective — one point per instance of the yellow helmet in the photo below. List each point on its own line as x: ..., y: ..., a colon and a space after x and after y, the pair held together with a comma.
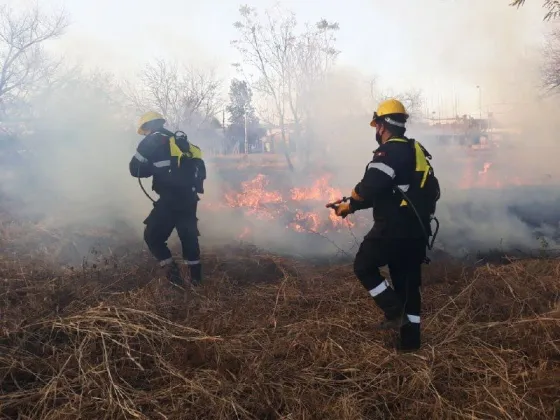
x: 389, y: 107
x: 146, y: 118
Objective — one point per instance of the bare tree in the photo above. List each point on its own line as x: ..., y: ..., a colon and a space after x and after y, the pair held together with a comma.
x: 186, y: 96
x: 288, y: 64
x: 551, y: 66
x: 412, y: 99
x: 266, y: 48
x: 552, y: 6
x: 101, y: 98
x: 312, y: 59
x: 23, y: 62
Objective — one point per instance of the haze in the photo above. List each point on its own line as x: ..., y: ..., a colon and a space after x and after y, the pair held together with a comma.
x: 443, y: 48
x: 439, y: 46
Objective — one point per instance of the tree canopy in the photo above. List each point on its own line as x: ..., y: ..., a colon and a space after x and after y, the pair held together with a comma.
x: 552, y: 6
x: 239, y: 108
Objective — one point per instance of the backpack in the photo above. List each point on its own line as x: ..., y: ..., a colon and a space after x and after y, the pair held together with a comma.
x: 424, y: 193
x: 186, y: 161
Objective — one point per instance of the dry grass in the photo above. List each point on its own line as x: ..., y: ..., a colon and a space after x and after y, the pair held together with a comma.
x: 270, y: 338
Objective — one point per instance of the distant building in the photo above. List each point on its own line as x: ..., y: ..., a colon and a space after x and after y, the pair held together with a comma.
x: 466, y: 131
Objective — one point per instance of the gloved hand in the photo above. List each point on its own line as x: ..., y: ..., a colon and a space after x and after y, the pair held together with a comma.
x: 343, y: 210
x: 336, y: 203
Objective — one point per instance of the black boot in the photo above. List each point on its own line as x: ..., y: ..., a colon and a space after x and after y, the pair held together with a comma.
x: 195, y: 271
x: 409, y: 339
x: 390, y: 303
x: 174, y: 275
x: 393, y: 324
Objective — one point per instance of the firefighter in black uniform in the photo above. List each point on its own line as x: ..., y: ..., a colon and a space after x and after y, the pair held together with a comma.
x: 178, y: 173
x: 400, y: 185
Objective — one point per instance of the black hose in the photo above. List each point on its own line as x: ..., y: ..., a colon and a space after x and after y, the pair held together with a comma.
x: 142, y: 186
x: 429, y: 243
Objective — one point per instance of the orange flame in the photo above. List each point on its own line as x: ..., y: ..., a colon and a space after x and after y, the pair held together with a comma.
x: 320, y: 190
x: 258, y: 201
x: 254, y: 197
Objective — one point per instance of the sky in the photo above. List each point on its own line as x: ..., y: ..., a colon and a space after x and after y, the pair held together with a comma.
x: 439, y: 46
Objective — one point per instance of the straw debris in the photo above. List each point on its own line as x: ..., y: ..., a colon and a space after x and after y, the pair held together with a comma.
x: 273, y: 338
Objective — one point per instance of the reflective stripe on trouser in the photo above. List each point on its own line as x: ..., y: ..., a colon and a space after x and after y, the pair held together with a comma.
x: 404, y: 268
x: 186, y: 262
x: 406, y: 278
x: 414, y: 318
x: 387, y: 300
x: 166, y: 262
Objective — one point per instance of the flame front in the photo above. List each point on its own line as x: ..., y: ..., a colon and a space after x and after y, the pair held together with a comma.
x: 323, y: 192
x: 255, y: 199
x: 301, y: 208
x: 296, y: 207
x: 320, y: 190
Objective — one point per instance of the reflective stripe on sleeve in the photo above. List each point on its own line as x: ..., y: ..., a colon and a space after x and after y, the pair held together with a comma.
x: 162, y: 163
x: 382, y: 167
x: 140, y: 158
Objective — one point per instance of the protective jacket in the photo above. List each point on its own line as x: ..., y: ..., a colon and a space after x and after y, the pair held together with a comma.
x: 400, y: 185
x: 175, y: 164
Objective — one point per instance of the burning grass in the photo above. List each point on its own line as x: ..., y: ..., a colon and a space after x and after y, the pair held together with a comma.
x: 270, y: 338
x: 299, y: 209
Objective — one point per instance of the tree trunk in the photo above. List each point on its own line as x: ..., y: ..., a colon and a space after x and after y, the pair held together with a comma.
x: 285, y: 145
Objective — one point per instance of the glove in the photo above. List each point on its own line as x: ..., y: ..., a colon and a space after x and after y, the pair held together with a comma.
x: 343, y: 210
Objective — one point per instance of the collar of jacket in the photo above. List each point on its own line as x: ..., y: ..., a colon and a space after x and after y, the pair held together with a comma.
x: 397, y: 139
x: 163, y: 132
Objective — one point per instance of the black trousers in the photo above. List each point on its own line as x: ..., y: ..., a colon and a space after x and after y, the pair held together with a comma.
x: 404, y: 258
x: 160, y: 223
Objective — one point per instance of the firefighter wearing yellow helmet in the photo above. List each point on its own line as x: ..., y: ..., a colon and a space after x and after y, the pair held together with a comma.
x: 178, y: 173
x: 400, y: 186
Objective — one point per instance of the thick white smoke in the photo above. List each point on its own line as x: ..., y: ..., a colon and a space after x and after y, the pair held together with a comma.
x: 479, y: 44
